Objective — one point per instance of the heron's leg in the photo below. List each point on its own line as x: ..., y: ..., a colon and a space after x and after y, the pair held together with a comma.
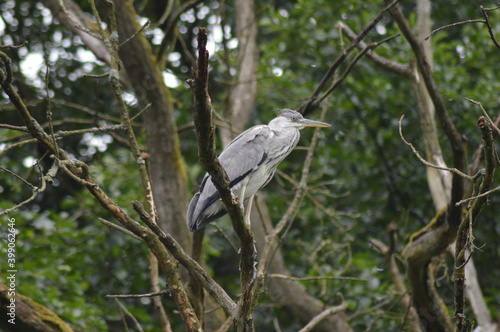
x: 248, y: 209
x: 243, y: 189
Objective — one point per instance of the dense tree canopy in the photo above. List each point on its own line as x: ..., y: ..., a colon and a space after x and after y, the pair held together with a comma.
x: 98, y: 109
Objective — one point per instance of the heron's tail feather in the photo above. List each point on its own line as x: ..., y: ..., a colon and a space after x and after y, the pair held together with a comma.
x: 203, y: 211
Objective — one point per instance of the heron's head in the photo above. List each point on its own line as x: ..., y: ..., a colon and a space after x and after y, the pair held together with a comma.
x: 289, y: 118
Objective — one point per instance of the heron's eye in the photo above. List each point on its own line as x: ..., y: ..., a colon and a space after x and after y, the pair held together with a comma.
x: 294, y: 119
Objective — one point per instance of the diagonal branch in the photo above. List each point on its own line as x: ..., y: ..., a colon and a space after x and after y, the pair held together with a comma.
x: 312, y: 104
x: 190, y: 264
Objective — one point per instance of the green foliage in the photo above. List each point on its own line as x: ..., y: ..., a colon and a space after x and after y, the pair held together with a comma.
x: 362, y: 178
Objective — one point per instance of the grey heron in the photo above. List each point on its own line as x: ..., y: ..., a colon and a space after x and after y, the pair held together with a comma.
x: 250, y: 161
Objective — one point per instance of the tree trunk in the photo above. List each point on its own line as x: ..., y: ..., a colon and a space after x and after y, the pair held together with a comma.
x: 244, y: 89
x: 167, y: 168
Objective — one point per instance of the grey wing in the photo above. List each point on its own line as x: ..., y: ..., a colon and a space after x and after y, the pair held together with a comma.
x: 241, y: 157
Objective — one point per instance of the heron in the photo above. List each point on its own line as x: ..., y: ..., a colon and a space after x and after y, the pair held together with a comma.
x: 250, y: 161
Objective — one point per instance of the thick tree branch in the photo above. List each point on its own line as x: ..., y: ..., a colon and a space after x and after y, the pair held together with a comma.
x: 190, y: 264
x: 464, y: 235
x: 330, y: 311
x: 205, y: 131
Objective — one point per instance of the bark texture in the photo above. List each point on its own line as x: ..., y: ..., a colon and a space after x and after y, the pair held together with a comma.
x: 168, y: 174
x: 244, y: 89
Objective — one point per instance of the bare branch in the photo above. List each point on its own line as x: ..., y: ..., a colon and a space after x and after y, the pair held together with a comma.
x: 135, y: 296
x: 364, y: 51
x: 425, y: 162
x: 330, y: 311
x: 453, y: 25
x: 488, y: 24
x: 144, y: 26
x: 312, y: 104
x: 283, y: 276
x: 122, y: 307
x: 390, y: 65
x: 119, y: 228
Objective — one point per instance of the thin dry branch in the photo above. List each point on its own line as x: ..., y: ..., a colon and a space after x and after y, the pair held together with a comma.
x: 135, y: 296
x: 129, y: 314
x: 390, y: 65
x: 312, y: 103
x: 425, y: 162
x: 119, y: 228
x: 485, y: 114
x: 330, y: 311
x: 283, y: 276
x: 488, y: 24
x: 35, y: 190
x: 453, y: 25
x: 338, y: 81
x: 171, y: 25
x: 185, y: 307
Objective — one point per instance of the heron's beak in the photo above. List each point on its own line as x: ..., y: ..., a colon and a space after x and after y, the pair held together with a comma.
x: 312, y: 123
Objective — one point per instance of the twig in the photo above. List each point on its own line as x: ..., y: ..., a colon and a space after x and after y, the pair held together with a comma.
x: 51, y: 173
x: 148, y: 107
x: 425, y: 162
x: 119, y: 228
x: 61, y: 134
x: 144, y: 26
x: 77, y: 24
x: 312, y: 104
x: 282, y: 276
x: 171, y: 25
x: 122, y: 307
x: 488, y: 24
x: 472, y: 198
x: 171, y: 274
x: 330, y: 311
x: 493, y: 126
x: 8, y: 126
x: 13, y: 46
x: 49, y: 109
x: 393, y: 66
x: 20, y: 178
x: 135, y: 296
x: 453, y: 25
